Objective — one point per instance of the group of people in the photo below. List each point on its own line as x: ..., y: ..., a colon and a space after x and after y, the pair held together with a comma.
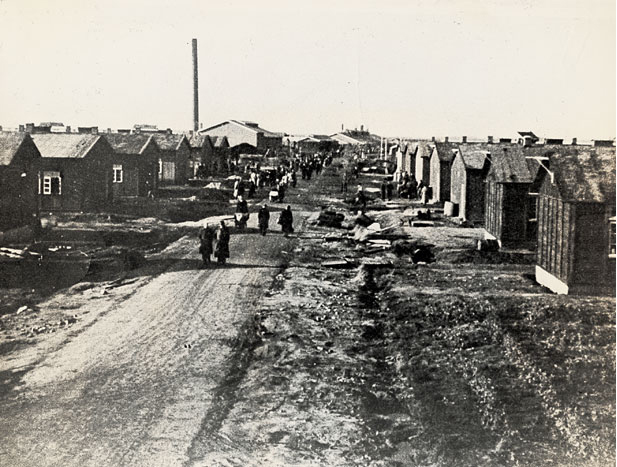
x: 409, y: 188
x: 214, y: 242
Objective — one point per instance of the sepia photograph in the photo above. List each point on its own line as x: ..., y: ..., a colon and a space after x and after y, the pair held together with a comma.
x: 322, y: 233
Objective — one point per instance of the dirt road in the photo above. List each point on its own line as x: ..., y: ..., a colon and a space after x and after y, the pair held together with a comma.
x: 148, y: 380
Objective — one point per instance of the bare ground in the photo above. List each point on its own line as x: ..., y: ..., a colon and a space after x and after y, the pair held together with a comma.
x: 279, y: 360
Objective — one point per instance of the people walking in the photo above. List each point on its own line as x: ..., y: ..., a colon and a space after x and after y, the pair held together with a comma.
x: 263, y: 219
x: 286, y: 221
x: 221, y: 244
x: 206, y: 237
x: 242, y: 212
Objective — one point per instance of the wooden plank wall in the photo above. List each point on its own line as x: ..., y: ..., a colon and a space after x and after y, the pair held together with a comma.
x: 493, y: 208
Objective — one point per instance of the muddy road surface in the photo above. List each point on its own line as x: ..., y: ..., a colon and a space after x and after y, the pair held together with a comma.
x: 152, y: 376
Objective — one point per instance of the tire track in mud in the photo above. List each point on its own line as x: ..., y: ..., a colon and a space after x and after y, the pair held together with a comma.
x: 124, y: 391
x: 226, y: 393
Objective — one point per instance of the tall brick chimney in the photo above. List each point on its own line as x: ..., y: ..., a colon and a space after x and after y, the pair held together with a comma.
x: 195, y: 89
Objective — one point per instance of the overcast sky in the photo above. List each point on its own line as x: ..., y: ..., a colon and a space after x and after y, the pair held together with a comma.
x: 401, y: 68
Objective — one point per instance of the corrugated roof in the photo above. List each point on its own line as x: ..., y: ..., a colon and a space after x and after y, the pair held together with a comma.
x: 63, y: 145
x: 128, y: 144
x: 508, y: 165
x: 446, y: 151
x: 9, y: 144
x: 584, y: 174
x: 168, y: 142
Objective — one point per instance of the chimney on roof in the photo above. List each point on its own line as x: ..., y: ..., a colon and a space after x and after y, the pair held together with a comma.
x: 68, y: 128
x: 446, y: 139
x: 21, y: 128
x: 433, y: 139
x: 0, y: 127
x: 603, y: 143
x: 464, y: 139
x: 195, y: 88
x: 574, y: 141
x: 490, y: 140
x: 95, y: 130
x: 29, y: 127
x: 108, y: 131
x: 361, y: 127
x: 169, y: 131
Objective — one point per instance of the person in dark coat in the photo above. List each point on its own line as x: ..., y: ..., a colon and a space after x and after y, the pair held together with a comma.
x: 206, y: 237
x: 221, y: 244
x: 286, y: 221
x: 384, y: 190
x: 263, y: 219
x: 389, y: 189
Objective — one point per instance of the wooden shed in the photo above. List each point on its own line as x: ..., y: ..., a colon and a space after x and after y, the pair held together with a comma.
x: 134, y: 164
x: 201, y: 162
x: 507, y: 184
x: 75, y: 171
x: 576, y: 221
x: 441, y: 170
x: 467, y: 180
x: 423, y: 162
x: 19, y: 164
x: 174, y: 154
x: 222, y: 154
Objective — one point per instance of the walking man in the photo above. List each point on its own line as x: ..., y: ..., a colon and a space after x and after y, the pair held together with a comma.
x: 206, y: 237
x: 263, y: 219
x: 286, y: 221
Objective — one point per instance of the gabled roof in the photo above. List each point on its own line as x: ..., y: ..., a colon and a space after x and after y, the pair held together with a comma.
x: 425, y: 149
x: 64, y: 145
x: 316, y: 138
x: 168, y: 142
x: 219, y: 141
x: 584, y: 173
x: 446, y: 151
x: 199, y: 140
x: 128, y: 144
x: 474, y: 154
x: 346, y: 139
x: 529, y: 134
x: 9, y: 145
x: 508, y: 165
x: 251, y: 126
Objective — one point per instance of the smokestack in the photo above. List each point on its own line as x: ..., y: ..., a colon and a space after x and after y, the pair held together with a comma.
x: 464, y: 139
x: 195, y: 89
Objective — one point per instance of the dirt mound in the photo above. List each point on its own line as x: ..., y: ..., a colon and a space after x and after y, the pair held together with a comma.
x: 420, y: 252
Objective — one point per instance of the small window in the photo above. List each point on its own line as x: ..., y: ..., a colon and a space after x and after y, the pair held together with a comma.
x: 611, y: 238
x: 51, y: 183
x: 117, y: 173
